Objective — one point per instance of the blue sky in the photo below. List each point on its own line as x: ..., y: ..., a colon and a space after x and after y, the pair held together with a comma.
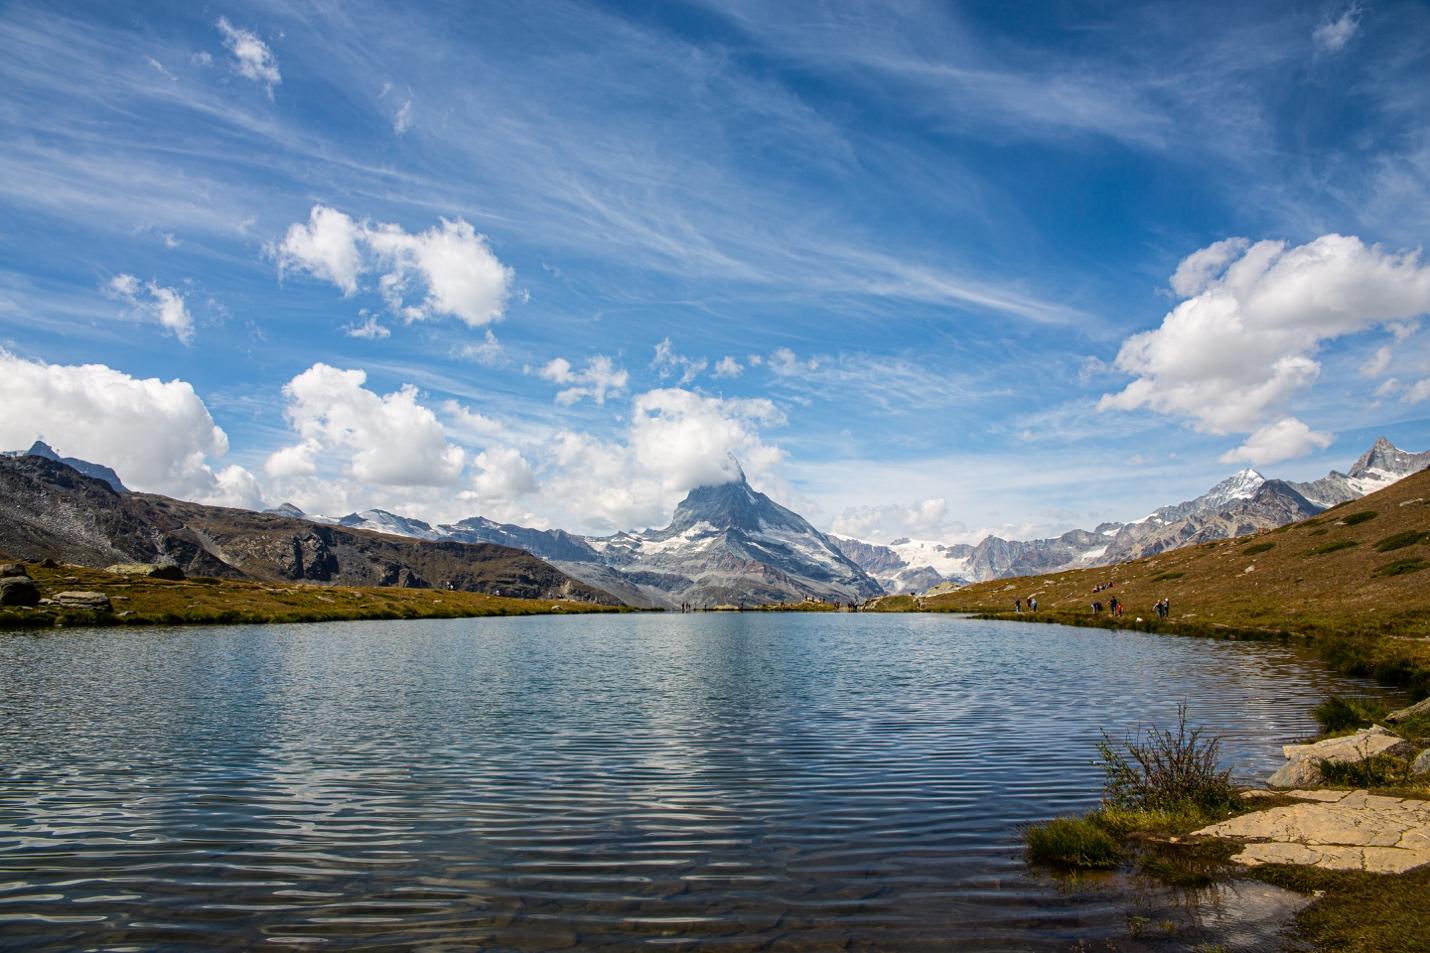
x: 553, y: 262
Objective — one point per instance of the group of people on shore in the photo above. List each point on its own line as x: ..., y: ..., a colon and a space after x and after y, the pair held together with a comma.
x: 1163, y: 607
x: 1113, y: 606
x: 1032, y: 604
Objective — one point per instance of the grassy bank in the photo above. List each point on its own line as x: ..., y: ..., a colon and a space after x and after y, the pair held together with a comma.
x: 139, y: 600
x: 1350, y: 581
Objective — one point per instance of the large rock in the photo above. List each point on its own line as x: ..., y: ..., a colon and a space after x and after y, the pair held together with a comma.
x: 1421, y: 707
x: 1338, y: 830
x: 18, y: 591
x: 1303, y: 767
x: 13, y: 569
x: 1421, y: 764
x: 77, y: 599
x: 150, y: 570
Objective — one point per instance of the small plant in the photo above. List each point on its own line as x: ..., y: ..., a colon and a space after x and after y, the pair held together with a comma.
x: 1339, y: 713
x: 1401, y: 540
x: 1401, y: 566
x: 1378, y: 772
x: 1072, y: 842
x: 1168, y: 770
x: 1332, y: 547
x: 1259, y: 548
x: 1318, y: 532
x: 1355, y: 519
x: 1164, y: 576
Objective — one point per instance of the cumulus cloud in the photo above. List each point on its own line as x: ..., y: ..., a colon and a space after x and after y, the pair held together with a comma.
x: 1200, y: 268
x: 165, y: 305
x: 158, y: 435
x: 446, y: 270
x: 1244, y: 342
x: 727, y: 366
x: 785, y: 363
x: 251, y: 56
x: 368, y: 328
x: 465, y: 419
x: 1286, y: 439
x: 502, y: 475
x: 1376, y: 364
x: 596, y: 380
x: 1418, y: 392
x: 387, y: 439
x: 924, y: 519
x: 1333, y: 35
x: 667, y: 363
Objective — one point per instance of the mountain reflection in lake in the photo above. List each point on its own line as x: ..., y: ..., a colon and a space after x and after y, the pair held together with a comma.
x: 711, y: 782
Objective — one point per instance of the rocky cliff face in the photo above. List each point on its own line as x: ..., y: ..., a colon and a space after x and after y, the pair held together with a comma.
x: 48, y: 509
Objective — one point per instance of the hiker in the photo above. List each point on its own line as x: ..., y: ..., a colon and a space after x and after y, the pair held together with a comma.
x: 1017, y: 605
x: 1032, y: 603
x: 1113, y: 605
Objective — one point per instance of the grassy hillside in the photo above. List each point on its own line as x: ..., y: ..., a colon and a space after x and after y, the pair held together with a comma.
x: 1356, y: 577
x: 145, y: 601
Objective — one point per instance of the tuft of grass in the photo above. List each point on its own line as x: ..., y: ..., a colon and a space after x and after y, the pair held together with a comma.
x: 1335, y: 547
x: 1381, y: 771
x: 1167, y: 576
x: 1355, y: 519
x: 1072, y: 842
x: 1400, y: 567
x: 1167, y: 770
x: 1339, y: 713
x: 1259, y: 548
x: 1401, y: 540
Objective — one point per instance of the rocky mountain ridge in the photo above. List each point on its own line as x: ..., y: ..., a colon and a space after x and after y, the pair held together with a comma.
x: 1243, y: 503
x: 50, y: 509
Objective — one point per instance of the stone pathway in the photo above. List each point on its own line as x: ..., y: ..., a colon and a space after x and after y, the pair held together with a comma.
x: 1336, y: 830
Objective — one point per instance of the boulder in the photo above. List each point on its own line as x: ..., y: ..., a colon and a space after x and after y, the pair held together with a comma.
x: 1421, y: 707
x: 8, y: 570
x: 77, y: 599
x: 1303, y: 765
x: 1421, y: 764
x: 18, y: 591
x: 151, y: 570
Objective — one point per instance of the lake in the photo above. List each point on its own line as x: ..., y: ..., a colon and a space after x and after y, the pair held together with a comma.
x: 673, y: 782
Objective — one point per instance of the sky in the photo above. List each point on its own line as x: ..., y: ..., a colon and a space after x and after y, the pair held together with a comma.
x: 924, y: 269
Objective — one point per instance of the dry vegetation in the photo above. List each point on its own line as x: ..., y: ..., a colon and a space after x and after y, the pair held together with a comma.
x: 144, y: 601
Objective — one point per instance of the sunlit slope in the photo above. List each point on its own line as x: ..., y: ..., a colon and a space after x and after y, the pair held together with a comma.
x: 1361, y: 567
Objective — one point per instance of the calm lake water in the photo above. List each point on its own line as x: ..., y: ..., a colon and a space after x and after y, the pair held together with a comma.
x: 711, y: 782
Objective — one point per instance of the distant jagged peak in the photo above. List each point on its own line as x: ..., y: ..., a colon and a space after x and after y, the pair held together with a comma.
x: 1386, y: 457
x: 286, y: 509
x: 96, y: 470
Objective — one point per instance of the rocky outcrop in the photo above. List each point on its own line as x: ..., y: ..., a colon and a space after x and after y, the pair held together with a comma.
x: 1334, y: 830
x: 1421, y: 707
x: 83, y: 599
x: 18, y: 591
x: 1303, y: 766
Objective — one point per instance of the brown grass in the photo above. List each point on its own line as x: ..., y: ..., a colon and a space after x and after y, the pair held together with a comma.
x: 143, y: 601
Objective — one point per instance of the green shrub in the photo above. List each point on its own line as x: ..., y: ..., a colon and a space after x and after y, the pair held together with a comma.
x: 1339, y: 713
x: 1401, y: 540
x: 1401, y: 566
x: 1259, y: 548
x: 1355, y: 519
x: 1164, y: 576
x: 1072, y: 842
x: 1332, y: 547
x: 1318, y: 532
x: 1166, y: 771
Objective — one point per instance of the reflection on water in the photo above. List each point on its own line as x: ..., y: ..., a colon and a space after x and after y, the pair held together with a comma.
x: 712, y: 782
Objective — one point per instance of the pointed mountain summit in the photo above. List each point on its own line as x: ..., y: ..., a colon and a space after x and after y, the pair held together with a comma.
x: 100, y: 472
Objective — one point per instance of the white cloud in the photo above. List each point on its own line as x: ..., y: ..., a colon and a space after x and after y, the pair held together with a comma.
x: 1388, y: 389
x: 925, y: 519
x: 502, y: 475
x: 465, y: 419
x: 159, y: 67
x: 488, y: 352
x: 378, y: 438
x: 668, y: 363
x: 1376, y: 364
x: 1284, y: 440
x: 1418, y: 392
x: 1241, y: 346
x: 251, y: 56
x: 157, y: 435
x: 403, y: 120
x: 449, y: 266
x: 596, y: 380
x: 369, y: 329
x: 784, y: 363
x: 1200, y: 268
x: 326, y: 247
x: 164, y: 305
x: 727, y: 366
x: 1333, y: 35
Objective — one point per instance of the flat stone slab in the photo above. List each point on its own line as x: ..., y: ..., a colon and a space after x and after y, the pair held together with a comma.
x: 1335, y: 830
x: 1303, y: 766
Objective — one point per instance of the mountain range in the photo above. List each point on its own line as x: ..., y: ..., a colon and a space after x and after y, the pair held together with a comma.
x: 725, y: 544
x: 1243, y: 503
